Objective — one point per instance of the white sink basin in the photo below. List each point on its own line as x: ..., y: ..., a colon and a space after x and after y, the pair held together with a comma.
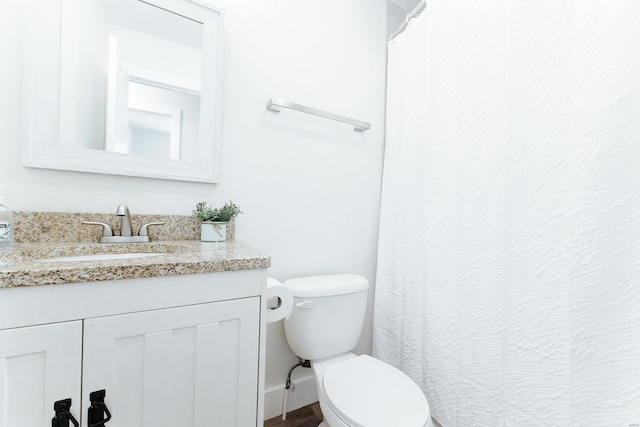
x: 102, y: 257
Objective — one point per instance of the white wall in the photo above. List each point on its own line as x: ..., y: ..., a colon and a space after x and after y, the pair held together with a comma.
x: 309, y: 187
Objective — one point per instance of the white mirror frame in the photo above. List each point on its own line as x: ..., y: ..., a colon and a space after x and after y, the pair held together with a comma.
x: 41, y: 102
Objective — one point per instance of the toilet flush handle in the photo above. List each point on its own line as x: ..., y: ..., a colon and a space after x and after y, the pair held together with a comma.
x: 305, y: 304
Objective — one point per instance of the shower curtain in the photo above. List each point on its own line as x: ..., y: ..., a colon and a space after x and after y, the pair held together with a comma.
x: 508, y: 282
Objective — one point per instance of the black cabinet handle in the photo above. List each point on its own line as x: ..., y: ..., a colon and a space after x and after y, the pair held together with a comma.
x: 63, y: 416
x: 98, y: 410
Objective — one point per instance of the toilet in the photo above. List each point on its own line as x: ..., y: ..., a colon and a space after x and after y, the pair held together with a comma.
x: 354, y: 391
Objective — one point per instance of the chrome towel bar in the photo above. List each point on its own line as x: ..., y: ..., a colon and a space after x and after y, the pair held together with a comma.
x: 275, y: 104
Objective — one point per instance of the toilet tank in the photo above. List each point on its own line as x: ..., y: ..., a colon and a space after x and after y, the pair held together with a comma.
x: 327, y: 315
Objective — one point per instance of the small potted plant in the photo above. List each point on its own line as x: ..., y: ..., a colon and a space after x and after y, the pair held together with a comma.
x: 213, y: 221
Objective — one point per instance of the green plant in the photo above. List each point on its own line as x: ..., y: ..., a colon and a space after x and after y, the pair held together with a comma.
x: 224, y: 214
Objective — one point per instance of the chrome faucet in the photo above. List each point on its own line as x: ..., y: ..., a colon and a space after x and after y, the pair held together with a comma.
x: 125, y: 220
x: 126, y: 233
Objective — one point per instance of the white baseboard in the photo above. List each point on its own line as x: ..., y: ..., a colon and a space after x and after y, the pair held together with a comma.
x: 305, y: 394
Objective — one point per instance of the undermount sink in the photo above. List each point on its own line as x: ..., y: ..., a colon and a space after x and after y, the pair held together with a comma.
x: 103, y: 257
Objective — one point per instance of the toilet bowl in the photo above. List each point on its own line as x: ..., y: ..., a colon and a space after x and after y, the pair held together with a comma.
x: 354, y: 391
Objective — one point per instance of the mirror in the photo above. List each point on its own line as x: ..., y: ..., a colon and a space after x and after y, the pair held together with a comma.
x: 129, y: 87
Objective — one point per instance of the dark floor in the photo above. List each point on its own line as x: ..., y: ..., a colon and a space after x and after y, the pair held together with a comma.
x: 309, y: 416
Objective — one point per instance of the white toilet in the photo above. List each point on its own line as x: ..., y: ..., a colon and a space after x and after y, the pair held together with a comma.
x: 354, y: 391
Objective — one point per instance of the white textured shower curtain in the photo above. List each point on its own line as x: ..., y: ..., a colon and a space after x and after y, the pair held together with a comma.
x: 508, y: 282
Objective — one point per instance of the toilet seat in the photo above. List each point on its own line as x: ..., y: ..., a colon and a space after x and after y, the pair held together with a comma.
x: 366, y: 392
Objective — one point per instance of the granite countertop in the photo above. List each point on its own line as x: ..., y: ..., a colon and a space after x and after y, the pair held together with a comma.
x: 25, y: 264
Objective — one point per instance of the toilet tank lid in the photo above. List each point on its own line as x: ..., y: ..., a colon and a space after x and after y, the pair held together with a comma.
x: 322, y: 286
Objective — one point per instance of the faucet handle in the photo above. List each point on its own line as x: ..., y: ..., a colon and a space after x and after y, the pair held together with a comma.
x: 144, y: 230
x: 106, y: 228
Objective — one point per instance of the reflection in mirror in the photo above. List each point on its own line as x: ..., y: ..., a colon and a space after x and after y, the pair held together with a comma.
x: 126, y: 87
x: 140, y: 93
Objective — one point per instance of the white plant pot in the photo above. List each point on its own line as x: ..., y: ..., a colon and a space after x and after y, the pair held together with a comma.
x: 213, y: 231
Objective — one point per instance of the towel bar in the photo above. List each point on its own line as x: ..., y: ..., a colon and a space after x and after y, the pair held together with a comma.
x: 275, y: 104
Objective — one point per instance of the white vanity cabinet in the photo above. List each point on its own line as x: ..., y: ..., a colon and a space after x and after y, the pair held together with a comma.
x: 38, y: 366
x: 186, y: 366
x: 168, y: 351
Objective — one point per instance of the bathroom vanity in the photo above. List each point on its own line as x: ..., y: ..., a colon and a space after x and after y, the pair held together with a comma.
x: 173, y: 338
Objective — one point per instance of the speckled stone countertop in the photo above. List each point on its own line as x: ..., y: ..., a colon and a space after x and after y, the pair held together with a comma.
x: 53, y: 227
x: 26, y: 263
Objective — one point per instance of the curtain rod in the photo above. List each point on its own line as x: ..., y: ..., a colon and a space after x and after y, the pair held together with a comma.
x: 415, y: 12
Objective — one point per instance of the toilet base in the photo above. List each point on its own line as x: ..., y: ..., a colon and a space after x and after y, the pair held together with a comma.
x: 323, y: 424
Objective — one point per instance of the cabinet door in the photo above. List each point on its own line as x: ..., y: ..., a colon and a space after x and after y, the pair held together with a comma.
x: 38, y: 366
x: 187, y: 366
